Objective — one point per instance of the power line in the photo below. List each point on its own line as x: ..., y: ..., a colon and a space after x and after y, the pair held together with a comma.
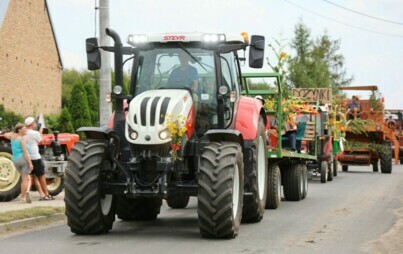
x: 339, y: 22
x: 363, y: 14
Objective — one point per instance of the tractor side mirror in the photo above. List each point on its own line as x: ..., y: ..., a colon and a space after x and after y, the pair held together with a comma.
x: 93, y: 54
x: 256, y: 51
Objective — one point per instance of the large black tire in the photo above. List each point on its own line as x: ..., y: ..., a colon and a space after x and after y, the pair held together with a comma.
x: 221, y: 187
x: 344, y: 168
x: 293, y: 182
x: 323, y: 171
x: 254, y: 203
x: 386, y: 158
x: 330, y: 172
x: 10, y: 180
x: 305, y: 180
x: 401, y: 159
x: 273, y: 198
x: 178, y: 201
x: 56, y: 186
x: 88, y: 211
x: 335, y: 167
x: 141, y: 209
x: 375, y: 167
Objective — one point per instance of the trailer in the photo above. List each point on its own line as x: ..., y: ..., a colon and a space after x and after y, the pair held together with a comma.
x: 287, y: 168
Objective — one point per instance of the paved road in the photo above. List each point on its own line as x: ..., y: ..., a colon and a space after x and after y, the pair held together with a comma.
x: 342, y: 216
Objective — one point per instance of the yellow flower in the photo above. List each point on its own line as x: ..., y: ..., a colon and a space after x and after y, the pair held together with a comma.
x: 283, y: 55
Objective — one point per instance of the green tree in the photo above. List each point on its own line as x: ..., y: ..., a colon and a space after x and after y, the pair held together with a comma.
x: 93, y: 102
x: 71, y: 77
x: 65, y: 121
x: 79, y: 110
x: 317, y: 63
x: 8, y: 119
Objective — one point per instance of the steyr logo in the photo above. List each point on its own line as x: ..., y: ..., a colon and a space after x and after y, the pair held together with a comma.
x: 174, y: 38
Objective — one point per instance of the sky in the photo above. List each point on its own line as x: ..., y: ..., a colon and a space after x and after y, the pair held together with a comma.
x: 372, y: 47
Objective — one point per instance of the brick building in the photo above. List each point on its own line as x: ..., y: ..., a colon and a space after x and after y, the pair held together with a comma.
x: 30, y: 62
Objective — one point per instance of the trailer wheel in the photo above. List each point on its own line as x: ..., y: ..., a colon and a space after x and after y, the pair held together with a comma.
x: 221, y: 186
x: 335, y: 167
x: 344, y: 168
x: 273, y: 198
x: 88, y: 211
x: 178, y: 201
x: 254, y: 204
x: 10, y: 180
x: 293, y: 183
x: 375, y: 167
x: 305, y: 177
x: 330, y: 172
x: 56, y: 186
x: 386, y: 158
x: 131, y: 209
x: 323, y: 171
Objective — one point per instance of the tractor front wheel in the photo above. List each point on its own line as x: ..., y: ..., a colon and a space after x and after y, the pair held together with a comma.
x: 386, y: 158
x: 344, y: 168
x: 56, y: 186
x: 10, y: 180
x: 88, y: 210
x: 221, y: 186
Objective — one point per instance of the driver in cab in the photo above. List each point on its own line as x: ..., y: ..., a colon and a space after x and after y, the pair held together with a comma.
x: 185, y: 75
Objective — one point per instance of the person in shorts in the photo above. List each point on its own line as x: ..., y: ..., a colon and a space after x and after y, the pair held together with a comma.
x: 21, y: 159
x: 33, y: 137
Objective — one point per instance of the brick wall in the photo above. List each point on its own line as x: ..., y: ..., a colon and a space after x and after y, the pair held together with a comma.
x: 30, y: 71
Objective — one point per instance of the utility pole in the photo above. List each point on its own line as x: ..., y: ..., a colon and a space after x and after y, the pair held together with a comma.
x: 105, y: 86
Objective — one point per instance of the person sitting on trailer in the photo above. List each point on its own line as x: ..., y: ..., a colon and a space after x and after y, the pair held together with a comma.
x: 354, y: 108
x: 290, y: 128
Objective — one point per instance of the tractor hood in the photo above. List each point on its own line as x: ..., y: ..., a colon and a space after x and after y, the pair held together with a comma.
x: 147, y: 113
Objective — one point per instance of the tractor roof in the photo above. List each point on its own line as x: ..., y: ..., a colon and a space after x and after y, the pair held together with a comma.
x: 135, y: 39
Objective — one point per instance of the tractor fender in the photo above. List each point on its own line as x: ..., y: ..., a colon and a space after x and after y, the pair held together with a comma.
x: 247, y: 117
x: 103, y: 133
x: 225, y: 135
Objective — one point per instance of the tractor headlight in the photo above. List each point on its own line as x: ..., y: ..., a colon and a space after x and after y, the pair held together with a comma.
x: 223, y: 90
x: 133, y: 135
x: 213, y: 38
x: 164, y: 134
x: 134, y: 39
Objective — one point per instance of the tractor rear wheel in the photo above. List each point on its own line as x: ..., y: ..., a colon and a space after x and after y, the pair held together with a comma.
x: 178, y: 201
x: 221, y: 186
x: 293, y: 182
x: 323, y: 171
x: 131, y: 209
x: 386, y: 158
x: 273, y: 198
x: 344, y: 168
x: 56, y: 186
x: 10, y: 180
x: 88, y: 211
x: 254, y: 204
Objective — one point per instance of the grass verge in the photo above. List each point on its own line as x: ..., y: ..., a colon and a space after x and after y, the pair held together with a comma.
x: 9, y: 216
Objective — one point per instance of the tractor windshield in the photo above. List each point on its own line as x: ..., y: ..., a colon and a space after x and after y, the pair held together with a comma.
x: 175, y: 68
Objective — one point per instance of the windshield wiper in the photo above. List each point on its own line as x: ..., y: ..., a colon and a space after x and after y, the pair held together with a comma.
x: 190, y: 54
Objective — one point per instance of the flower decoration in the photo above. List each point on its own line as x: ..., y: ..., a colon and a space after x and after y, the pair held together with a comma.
x: 176, y: 125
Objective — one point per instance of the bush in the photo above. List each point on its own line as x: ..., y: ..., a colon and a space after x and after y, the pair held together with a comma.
x: 9, y: 119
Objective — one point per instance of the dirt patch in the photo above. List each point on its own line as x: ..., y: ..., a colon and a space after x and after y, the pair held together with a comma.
x: 391, y: 241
